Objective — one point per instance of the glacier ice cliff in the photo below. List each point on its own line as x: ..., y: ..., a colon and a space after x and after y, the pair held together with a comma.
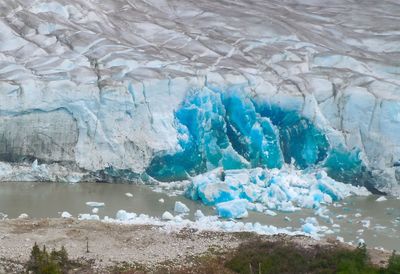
x: 227, y: 128
x: 112, y: 90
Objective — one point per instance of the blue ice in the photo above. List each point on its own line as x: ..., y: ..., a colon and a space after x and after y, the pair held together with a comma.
x: 229, y: 129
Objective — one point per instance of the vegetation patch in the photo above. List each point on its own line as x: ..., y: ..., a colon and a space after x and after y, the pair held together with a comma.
x: 280, y: 257
x: 55, y: 262
x: 128, y: 268
x: 253, y: 257
x: 283, y: 257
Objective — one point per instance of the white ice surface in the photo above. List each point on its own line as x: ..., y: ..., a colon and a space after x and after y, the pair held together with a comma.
x: 110, y: 75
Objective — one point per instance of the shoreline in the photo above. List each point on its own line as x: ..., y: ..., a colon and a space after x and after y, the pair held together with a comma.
x: 115, y: 245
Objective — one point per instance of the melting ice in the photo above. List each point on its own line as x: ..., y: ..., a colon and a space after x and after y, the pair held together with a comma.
x: 248, y: 146
x: 233, y: 192
x: 230, y: 129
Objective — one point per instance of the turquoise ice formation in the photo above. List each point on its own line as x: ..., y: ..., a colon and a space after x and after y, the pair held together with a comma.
x: 230, y: 129
x: 262, y: 190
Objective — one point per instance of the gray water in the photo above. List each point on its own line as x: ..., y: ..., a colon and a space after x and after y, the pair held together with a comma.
x: 50, y: 199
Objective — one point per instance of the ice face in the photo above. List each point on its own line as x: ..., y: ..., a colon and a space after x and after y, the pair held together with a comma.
x: 345, y: 165
x: 95, y: 96
x: 229, y: 129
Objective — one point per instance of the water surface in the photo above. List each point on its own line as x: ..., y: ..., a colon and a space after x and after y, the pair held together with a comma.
x: 50, y: 199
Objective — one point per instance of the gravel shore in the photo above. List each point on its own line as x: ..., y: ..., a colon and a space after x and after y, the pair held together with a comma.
x: 111, y: 245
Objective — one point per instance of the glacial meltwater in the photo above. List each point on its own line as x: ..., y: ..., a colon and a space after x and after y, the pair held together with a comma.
x: 352, y: 219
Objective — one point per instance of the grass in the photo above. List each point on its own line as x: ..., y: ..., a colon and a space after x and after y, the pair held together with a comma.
x: 394, y: 264
x: 252, y: 257
x: 281, y: 257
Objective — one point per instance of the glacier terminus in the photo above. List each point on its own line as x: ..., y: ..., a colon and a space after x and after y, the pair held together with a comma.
x: 166, y: 90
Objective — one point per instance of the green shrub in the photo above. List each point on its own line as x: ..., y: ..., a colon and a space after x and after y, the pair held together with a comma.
x: 280, y: 257
x: 41, y: 262
x: 394, y: 264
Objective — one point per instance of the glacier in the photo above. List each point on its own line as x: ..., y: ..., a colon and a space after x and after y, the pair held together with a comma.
x: 226, y: 128
x: 163, y: 90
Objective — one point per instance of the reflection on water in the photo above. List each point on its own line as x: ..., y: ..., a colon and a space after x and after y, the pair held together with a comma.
x: 361, y: 217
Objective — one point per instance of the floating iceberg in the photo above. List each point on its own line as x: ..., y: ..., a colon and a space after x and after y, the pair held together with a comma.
x: 181, y: 208
x: 167, y: 216
x: 95, y: 204
x: 381, y: 199
x: 311, y: 226
x: 233, y: 209
x: 66, y: 215
x: 23, y: 216
x: 198, y: 214
x: 88, y: 217
x: 287, y: 190
x: 122, y: 215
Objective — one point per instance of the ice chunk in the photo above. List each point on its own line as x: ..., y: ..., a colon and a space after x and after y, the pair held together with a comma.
x: 95, y: 210
x: 381, y: 199
x: 270, y: 212
x: 284, y: 190
x: 167, y: 216
x: 181, y: 207
x: 122, y: 215
x: 178, y: 219
x: 86, y: 216
x: 323, y: 212
x: 198, y: 214
x: 66, y: 215
x: 23, y: 216
x: 366, y: 223
x: 311, y: 226
x: 233, y: 209
x: 130, y: 195
x: 161, y: 200
x: 209, y: 190
x: 95, y: 204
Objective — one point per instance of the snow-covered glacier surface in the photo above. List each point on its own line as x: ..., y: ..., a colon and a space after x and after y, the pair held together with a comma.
x: 163, y: 90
